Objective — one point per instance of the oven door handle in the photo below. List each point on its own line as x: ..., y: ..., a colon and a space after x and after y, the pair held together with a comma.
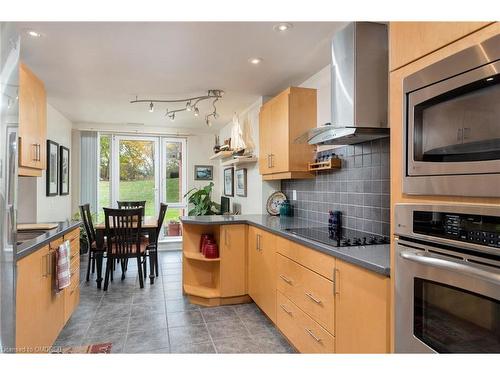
x: 463, y: 267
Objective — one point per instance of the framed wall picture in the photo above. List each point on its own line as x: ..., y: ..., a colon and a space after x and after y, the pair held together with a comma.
x: 203, y: 172
x: 228, y: 182
x: 52, y: 175
x: 241, y: 182
x: 63, y: 170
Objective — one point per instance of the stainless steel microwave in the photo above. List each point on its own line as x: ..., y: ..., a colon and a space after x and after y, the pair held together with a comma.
x: 452, y: 125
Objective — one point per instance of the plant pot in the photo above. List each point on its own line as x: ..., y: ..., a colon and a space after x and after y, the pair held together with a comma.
x: 174, y: 229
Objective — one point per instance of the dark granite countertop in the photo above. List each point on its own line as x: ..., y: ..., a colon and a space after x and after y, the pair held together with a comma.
x: 30, y: 246
x: 374, y: 257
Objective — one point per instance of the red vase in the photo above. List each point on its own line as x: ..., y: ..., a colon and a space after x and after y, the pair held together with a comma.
x: 207, y: 242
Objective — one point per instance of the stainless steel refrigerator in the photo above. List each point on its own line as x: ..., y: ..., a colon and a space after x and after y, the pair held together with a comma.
x: 9, y: 115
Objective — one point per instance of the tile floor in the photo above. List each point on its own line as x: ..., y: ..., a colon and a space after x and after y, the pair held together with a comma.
x: 159, y: 319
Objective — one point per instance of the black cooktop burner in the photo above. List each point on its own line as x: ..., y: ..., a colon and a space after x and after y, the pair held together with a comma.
x: 348, y: 238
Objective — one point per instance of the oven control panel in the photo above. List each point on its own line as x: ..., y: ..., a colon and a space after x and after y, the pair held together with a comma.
x: 478, y: 229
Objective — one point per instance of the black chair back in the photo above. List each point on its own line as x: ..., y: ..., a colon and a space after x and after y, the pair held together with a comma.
x: 87, y: 223
x: 132, y: 204
x: 123, y: 231
x: 161, y: 218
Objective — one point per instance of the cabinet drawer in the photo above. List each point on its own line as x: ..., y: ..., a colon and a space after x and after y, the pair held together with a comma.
x: 308, y: 290
x: 302, y: 331
x: 75, y: 233
x: 312, y: 259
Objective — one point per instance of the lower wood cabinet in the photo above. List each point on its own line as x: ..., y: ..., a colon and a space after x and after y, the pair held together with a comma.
x: 362, y: 310
x: 303, y: 332
x: 233, y: 255
x: 41, y: 313
x: 261, y: 270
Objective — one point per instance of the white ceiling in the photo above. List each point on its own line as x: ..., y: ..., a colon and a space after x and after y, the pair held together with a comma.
x: 92, y: 70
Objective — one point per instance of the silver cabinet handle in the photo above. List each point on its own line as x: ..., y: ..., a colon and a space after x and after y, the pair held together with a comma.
x: 286, y: 279
x: 422, y: 257
x: 312, y: 334
x: 268, y: 160
x: 226, y: 242
x: 336, y: 281
x: 272, y: 160
x: 258, y: 242
x: 318, y: 301
x: 35, y: 156
x: 39, y: 153
x: 283, y: 307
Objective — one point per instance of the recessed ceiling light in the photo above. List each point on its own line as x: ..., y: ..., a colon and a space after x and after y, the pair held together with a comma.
x: 255, y: 60
x: 282, y: 27
x: 34, y: 34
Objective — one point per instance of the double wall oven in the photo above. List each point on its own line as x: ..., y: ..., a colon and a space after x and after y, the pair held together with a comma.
x: 452, y: 125
x: 447, y: 279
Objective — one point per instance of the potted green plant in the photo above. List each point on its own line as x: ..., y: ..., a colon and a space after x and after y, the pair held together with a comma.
x: 201, y: 201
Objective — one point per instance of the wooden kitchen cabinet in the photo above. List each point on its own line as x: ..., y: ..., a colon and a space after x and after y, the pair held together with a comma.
x: 361, y: 310
x: 410, y: 41
x: 233, y: 256
x: 32, y: 123
x: 41, y: 313
x: 283, y: 119
x: 262, y: 270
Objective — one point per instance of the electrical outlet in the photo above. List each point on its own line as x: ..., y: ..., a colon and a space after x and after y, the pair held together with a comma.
x: 294, y: 195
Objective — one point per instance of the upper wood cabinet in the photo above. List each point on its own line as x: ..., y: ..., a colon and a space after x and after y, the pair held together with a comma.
x: 282, y: 119
x: 361, y: 310
x: 262, y: 270
x: 411, y: 40
x: 32, y: 123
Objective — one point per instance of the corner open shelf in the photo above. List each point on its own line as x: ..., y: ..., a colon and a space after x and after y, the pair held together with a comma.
x: 199, y: 256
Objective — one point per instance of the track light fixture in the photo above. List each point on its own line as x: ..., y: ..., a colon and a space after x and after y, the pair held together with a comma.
x: 190, y: 106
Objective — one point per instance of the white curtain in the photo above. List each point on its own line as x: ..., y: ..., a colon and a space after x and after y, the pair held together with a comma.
x: 89, y: 168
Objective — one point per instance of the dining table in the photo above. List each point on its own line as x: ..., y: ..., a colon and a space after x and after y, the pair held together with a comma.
x: 149, y: 226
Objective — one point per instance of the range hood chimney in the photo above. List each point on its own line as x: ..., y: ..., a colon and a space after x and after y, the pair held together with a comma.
x: 360, y: 73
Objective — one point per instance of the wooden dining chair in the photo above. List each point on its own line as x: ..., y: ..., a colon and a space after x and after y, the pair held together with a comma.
x: 91, y: 238
x: 152, y: 247
x: 123, y: 237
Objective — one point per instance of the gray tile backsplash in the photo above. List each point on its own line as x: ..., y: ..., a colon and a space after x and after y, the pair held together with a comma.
x: 360, y: 189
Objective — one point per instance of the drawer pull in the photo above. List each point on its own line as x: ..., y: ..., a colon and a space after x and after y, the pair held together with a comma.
x: 286, y: 279
x: 312, y: 335
x: 286, y: 310
x: 318, y: 301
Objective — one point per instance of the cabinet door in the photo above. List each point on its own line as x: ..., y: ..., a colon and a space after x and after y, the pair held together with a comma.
x: 32, y: 120
x: 233, y: 258
x: 32, y: 272
x: 279, y: 133
x: 410, y: 41
x: 362, y: 310
x: 265, y: 136
x: 262, y: 269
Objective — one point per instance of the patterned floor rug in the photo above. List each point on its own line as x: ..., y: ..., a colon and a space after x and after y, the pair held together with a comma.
x: 103, y: 348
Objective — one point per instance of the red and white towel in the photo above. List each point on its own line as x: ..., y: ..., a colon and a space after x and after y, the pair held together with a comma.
x: 63, y: 278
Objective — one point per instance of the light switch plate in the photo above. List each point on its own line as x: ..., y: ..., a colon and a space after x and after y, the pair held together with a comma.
x: 294, y: 195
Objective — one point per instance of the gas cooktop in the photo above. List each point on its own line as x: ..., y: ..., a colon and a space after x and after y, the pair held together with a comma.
x: 348, y: 238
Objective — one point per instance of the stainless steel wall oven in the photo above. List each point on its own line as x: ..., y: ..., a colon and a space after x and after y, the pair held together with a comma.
x: 452, y: 125
x: 447, y: 279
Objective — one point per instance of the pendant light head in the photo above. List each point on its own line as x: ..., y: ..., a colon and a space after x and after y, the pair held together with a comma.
x: 172, y: 117
x: 196, y: 111
x: 216, y: 115
x: 188, y: 107
x: 151, y: 107
x: 208, y: 122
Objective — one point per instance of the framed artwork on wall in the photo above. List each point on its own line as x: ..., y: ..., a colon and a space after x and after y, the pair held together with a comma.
x: 203, y: 172
x: 63, y: 170
x: 52, y: 175
x: 228, y: 182
x: 241, y: 182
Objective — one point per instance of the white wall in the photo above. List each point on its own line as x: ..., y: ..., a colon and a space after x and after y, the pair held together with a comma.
x: 33, y: 204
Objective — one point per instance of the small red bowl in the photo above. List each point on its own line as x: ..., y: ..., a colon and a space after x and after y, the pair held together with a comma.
x: 211, y: 251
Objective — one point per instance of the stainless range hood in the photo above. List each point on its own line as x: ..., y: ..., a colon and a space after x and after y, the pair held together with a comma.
x: 360, y: 74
